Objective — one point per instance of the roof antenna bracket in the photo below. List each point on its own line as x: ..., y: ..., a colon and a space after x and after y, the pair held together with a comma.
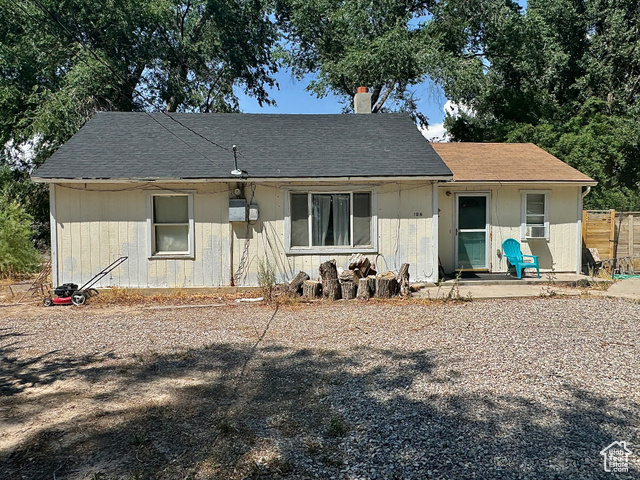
x: 235, y: 172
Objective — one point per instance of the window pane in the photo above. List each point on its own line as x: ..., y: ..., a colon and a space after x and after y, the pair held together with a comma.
x: 171, y: 209
x: 362, y: 219
x: 535, y: 219
x: 341, y: 213
x: 331, y: 219
x: 321, y: 216
x: 172, y: 238
x: 535, y: 204
x: 299, y: 220
x: 472, y: 212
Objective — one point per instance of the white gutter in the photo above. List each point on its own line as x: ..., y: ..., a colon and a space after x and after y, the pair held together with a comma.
x: 243, y: 179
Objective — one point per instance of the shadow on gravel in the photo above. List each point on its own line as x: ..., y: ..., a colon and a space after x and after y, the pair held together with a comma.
x: 353, y: 414
x: 17, y: 374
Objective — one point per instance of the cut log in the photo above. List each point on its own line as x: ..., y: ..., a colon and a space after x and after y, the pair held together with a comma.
x: 386, y: 285
x: 403, y: 275
x: 403, y: 280
x: 330, y: 284
x: 359, y: 262
x: 295, y: 287
x: 366, y: 287
x: 311, y: 289
x: 348, y: 290
x: 350, y: 276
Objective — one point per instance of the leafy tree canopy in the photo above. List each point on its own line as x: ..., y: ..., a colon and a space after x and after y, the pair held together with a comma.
x: 379, y: 44
x: 62, y: 60
x: 565, y: 75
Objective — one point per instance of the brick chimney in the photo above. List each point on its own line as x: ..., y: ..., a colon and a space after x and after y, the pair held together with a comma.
x: 362, y: 101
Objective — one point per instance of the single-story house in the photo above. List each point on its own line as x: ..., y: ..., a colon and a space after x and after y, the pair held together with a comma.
x: 205, y: 199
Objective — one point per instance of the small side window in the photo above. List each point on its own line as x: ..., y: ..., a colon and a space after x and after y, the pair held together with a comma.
x: 171, y: 225
x: 535, y: 215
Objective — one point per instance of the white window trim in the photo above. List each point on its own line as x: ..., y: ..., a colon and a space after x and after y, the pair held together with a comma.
x: 328, y: 250
x: 523, y: 215
x: 151, y: 240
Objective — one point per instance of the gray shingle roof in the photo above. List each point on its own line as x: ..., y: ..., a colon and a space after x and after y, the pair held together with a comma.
x: 119, y: 145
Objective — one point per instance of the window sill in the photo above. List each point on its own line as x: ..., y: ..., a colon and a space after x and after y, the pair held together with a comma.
x: 534, y: 239
x: 179, y: 256
x: 329, y: 250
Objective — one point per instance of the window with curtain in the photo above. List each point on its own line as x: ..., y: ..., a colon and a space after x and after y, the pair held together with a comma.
x: 171, y: 223
x: 342, y: 219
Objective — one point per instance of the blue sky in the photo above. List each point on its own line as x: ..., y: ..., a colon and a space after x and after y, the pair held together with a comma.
x: 292, y: 97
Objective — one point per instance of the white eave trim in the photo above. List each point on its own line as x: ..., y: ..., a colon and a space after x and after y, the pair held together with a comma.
x: 575, y: 183
x: 243, y: 179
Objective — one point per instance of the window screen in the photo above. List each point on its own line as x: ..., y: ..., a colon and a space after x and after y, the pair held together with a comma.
x: 299, y: 220
x: 362, y: 219
x: 171, y: 224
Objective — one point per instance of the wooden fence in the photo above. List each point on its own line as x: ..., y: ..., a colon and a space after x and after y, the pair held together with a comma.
x: 616, y: 235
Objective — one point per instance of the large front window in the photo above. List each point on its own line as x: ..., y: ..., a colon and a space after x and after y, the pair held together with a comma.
x: 331, y: 220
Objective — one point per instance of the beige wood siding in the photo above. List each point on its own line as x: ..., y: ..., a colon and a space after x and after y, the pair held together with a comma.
x: 559, y: 253
x: 97, y: 223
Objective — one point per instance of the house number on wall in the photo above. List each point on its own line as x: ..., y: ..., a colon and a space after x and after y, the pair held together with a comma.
x: 417, y: 214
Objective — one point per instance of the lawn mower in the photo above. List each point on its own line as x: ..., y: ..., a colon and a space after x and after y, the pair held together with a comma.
x: 69, y: 293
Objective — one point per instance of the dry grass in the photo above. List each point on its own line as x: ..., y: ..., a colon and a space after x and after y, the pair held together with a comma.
x: 131, y: 297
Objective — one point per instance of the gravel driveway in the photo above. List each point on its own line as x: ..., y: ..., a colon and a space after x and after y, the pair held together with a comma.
x: 530, y: 388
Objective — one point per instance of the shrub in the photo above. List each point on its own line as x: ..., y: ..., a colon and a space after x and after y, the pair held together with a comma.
x: 266, y: 280
x: 17, y: 253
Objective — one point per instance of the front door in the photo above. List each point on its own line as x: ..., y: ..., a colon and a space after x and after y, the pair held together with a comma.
x: 472, y: 231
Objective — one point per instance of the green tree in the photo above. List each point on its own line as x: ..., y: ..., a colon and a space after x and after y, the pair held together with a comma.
x: 17, y: 253
x: 565, y: 74
x: 15, y: 187
x: 62, y: 61
x: 604, y: 146
x: 379, y: 44
x: 59, y: 62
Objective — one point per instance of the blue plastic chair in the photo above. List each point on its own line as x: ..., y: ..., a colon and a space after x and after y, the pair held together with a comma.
x: 515, y: 258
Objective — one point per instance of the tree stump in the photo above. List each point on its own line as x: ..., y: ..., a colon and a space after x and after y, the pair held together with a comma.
x: 403, y: 279
x: 386, y: 285
x: 295, y: 287
x: 330, y: 284
x: 348, y: 290
x: 311, y: 289
x: 350, y: 276
x: 366, y: 288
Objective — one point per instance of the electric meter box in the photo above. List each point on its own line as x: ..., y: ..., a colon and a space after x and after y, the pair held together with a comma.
x: 237, y: 210
x: 254, y: 212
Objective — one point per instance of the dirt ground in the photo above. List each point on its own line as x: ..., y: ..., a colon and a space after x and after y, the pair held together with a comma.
x: 498, y: 389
